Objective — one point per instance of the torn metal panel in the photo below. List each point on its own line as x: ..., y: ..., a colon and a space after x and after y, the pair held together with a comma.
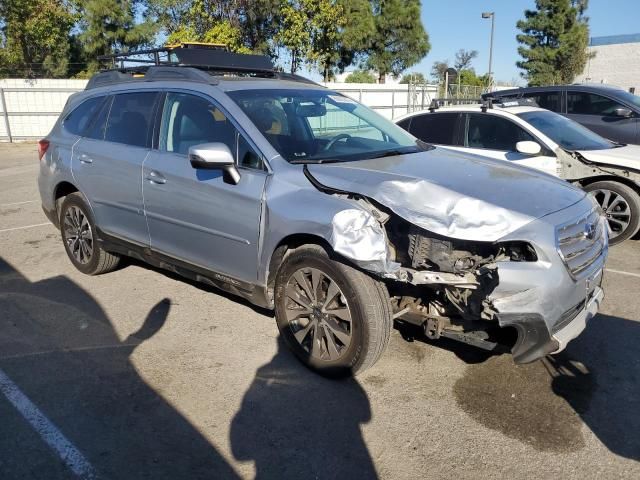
x: 447, y: 193
x: 357, y: 235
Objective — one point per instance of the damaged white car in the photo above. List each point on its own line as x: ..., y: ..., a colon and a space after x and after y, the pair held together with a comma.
x: 519, y: 132
x: 302, y: 200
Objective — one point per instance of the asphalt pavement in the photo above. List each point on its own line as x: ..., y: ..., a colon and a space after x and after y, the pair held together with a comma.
x: 141, y: 374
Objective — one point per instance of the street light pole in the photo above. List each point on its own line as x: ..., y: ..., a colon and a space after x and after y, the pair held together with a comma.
x: 492, y: 16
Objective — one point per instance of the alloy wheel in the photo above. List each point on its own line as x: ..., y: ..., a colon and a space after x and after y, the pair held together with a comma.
x: 78, y: 234
x: 318, y: 314
x: 616, y: 209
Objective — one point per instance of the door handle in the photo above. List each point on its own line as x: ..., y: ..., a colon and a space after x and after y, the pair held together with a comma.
x: 84, y: 158
x: 155, y: 177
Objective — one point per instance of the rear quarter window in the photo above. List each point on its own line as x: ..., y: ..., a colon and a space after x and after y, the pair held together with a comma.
x: 437, y: 128
x: 77, y: 121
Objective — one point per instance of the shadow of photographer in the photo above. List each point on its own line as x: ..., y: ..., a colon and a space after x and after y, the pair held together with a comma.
x: 59, y: 347
x: 295, y: 424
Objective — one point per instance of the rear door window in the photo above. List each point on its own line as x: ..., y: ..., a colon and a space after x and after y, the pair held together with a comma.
x: 439, y: 128
x: 78, y: 120
x: 131, y: 119
x: 492, y: 132
x: 548, y: 100
x: 583, y: 103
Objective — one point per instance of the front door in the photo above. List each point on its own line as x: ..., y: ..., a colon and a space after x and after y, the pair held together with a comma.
x: 195, y: 215
x: 496, y: 137
x: 107, y: 164
x: 596, y: 112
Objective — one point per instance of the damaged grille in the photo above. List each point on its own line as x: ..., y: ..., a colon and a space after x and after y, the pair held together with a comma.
x: 582, y: 242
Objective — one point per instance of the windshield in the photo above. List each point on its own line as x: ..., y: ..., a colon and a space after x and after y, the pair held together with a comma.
x: 566, y: 133
x: 629, y: 98
x: 317, y: 126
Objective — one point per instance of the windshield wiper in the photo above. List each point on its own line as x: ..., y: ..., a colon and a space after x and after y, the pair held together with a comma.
x: 392, y: 153
x: 313, y: 161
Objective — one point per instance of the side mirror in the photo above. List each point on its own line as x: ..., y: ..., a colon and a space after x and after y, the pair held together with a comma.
x: 622, y: 112
x: 528, y: 148
x: 214, y: 156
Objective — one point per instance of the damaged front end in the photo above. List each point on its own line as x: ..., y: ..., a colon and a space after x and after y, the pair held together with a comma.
x: 437, y: 283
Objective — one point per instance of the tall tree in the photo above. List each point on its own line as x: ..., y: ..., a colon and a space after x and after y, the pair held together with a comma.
x: 109, y: 26
x: 357, y: 32
x: 35, y: 37
x: 438, y: 69
x: 247, y: 25
x: 464, y: 59
x: 554, y: 41
x: 399, y: 40
x: 313, y: 31
x: 327, y: 23
x: 294, y: 35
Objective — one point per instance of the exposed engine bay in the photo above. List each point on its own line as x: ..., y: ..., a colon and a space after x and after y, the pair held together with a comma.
x: 437, y: 283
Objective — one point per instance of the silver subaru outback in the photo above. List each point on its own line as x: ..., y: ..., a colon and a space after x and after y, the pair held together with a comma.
x: 304, y: 201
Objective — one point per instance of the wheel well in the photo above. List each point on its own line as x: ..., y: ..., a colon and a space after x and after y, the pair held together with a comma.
x: 610, y: 178
x: 286, y: 245
x: 63, y: 189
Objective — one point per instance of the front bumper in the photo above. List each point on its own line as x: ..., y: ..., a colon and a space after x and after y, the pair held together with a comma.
x: 535, y: 339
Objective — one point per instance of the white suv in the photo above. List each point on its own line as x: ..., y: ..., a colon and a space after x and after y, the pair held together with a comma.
x: 521, y: 133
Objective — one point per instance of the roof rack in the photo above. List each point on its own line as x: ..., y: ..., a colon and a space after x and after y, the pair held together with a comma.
x: 485, y: 103
x: 194, y: 59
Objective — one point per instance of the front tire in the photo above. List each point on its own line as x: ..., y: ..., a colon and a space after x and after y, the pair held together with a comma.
x: 79, y: 237
x: 621, y: 205
x: 335, y: 318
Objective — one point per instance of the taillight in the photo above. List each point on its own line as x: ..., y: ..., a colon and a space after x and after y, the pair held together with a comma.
x: 43, y: 146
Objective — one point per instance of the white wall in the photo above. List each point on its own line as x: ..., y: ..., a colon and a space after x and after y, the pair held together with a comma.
x: 42, y: 107
x: 617, y: 64
x: 390, y: 100
x: 25, y: 96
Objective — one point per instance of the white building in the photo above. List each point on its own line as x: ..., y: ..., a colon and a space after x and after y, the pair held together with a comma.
x: 616, y: 61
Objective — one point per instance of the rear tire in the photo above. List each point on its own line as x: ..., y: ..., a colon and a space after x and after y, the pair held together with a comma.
x: 621, y: 205
x: 340, y: 321
x: 79, y: 237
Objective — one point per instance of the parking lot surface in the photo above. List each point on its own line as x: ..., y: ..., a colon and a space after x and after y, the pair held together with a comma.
x: 141, y: 374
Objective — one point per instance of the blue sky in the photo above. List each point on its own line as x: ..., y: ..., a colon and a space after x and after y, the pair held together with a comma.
x: 458, y: 24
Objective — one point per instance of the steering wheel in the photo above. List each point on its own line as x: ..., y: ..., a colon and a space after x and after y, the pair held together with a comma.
x: 335, y: 139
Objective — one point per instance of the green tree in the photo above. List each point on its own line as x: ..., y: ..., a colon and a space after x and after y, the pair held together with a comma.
x: 245, y: 25
x: 464, y: 59
x: 327, y: 21
x: 294, y: 35
x: 399, y: 40
x: 34, y: 37
x: 108, y: 26
x: 415, y: 78
x: 469, y: 77
x: 357, y: 32
x: 360, y: 76
x: 554, y: 41
x: 312, y: 32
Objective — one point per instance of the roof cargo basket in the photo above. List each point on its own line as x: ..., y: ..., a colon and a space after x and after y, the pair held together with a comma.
x: 186, y: 61
x: 201, y: 55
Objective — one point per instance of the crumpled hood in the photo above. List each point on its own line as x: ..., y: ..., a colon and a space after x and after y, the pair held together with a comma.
x: 625, y: 157
x: 451, y: 193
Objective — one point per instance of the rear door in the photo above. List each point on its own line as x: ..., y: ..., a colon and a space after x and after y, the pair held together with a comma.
x: 195, y: 215
x: 438, y: 128
x: 596, y: 112
x: 549, y: 99
x: 496, y: 137
x: 107, y: 164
